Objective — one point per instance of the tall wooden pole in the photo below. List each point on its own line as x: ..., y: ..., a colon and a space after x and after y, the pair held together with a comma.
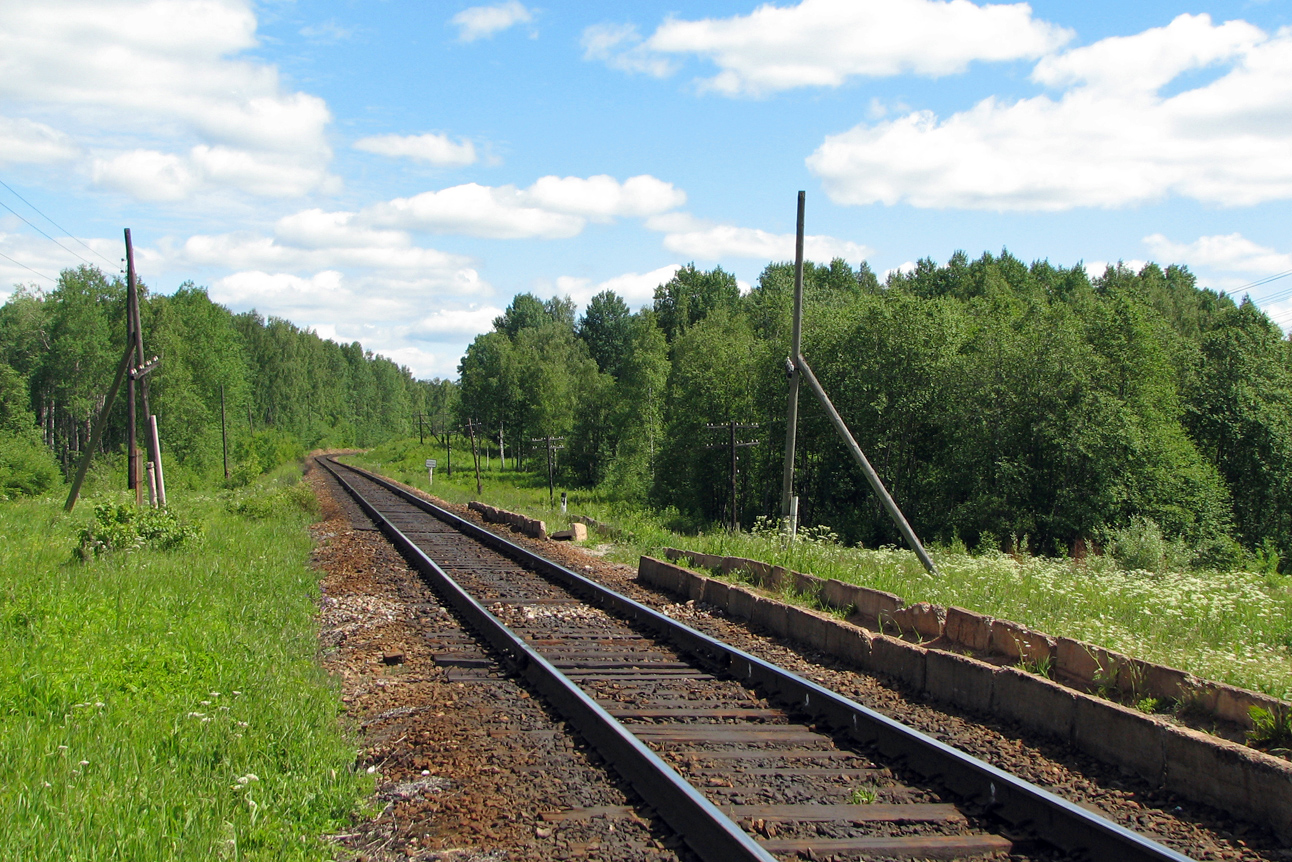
x: 796, y: 348
x: 132, y: 441
x: 132, y: 284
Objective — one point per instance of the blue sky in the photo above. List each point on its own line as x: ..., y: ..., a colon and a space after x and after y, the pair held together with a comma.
x: 394, y: 173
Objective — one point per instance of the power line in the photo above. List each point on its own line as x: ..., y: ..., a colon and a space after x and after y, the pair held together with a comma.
x: 29, y: 269
x: 114, y: 264
x: 45, y: 235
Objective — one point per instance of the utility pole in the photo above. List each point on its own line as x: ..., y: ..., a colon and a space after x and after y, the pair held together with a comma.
x: 472, y: 425
x: 797, y: 366
x: 552, y: 448
x: 789, y: 511
x: 734, y: 444
x: 421, y: 434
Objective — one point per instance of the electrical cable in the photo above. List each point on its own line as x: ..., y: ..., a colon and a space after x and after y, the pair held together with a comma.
x: 114, y: 264
x: 29, y: 269
x: 46, y: 236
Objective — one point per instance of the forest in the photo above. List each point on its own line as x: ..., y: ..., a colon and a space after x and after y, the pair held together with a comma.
x: 1004, y: 405
x: 284, y: 390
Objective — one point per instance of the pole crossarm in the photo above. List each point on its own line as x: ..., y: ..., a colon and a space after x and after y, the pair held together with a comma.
x: 872, y: 477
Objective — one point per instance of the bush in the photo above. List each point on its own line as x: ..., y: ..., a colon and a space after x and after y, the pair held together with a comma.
x: 27, y: 468
x: 261, y: 505
x: 1141, y: 545
x: 125, y: 528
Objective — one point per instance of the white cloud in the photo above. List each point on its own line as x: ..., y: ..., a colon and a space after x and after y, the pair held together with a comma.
x: 620, y: 46
x: 199, y: 116
x: 635, y: 288
x: 475, y: 210
x: 480, y: 22
x: 552, y: 208
x: 1096, y: 268
x: 435, y: 149
x: 697, y: 239
x: 25, y: 141
x: 1112, y: 139
x: 602, y: 197
x: 1227, y: 252
x: 823, y: 43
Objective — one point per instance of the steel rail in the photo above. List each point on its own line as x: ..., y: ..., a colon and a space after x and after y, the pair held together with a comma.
x: 1025, y: 805
x: 709, y: 832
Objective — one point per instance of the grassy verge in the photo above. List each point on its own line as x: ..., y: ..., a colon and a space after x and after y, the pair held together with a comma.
x: 166, y: 704
x: 1233, y: 627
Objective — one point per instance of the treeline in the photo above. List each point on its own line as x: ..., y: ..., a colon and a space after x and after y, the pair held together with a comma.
x: 1001, y: 403
x: 284, y: 389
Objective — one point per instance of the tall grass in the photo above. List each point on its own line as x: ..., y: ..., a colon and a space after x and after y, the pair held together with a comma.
x: 1232, y: 627
x: 166, y: 704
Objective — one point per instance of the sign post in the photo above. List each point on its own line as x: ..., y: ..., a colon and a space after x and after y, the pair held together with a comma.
x: 430, y: 471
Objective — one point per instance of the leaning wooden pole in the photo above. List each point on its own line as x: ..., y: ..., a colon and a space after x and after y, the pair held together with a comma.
x: 796, y: 347
x: 97, y: 433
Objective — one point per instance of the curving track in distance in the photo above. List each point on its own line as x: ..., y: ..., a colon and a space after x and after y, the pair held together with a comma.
x: 742, y: 758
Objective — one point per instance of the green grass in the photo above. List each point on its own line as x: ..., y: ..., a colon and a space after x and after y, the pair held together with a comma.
x: 142, y: 690
x: 1233, y: 627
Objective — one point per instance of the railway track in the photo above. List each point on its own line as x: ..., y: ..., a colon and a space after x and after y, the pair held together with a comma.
x: 745, y: 761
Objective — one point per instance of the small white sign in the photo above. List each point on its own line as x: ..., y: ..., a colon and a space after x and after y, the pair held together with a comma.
x: 430, y: 464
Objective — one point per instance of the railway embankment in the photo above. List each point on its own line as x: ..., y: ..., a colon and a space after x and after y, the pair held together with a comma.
x: 1004, y: 670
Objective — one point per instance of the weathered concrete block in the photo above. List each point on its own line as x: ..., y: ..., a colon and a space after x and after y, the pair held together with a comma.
x: 874, y: 603
x: 1234, y: 704
x: 898, y: 659
x: 576, y: 533
x: 776, y: 577
x: 695, y: 585
x: 837, y: 594
x: 959, y: 680
x: 806, y: 626
x: 805, y: 584
x: 1248, y: 783
x: 770, y: 615
x: 674, y: 554
x: 1168, y: 682
x: 849, y: 643
x: 968, y: 629
x: 1119, y: 736
x: 1020, y: 643
x: 740, y: 603
x: 761, y: 571
x: 1034, y: 702
x: 921, y: 619
x: 1078, y: 661
x: 718, y: 594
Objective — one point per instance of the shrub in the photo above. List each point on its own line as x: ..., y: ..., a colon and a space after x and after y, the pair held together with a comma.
x: 27, y: 468
x: 1141, y: 545
x: 125, y: 528
x: 265, y: 503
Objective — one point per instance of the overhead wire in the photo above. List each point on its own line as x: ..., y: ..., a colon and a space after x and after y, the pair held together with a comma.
x: 29, y: 269
x: 115, y: 264
x: 47, y: 236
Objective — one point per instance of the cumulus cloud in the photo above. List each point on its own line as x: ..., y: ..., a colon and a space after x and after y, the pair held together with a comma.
x: 1226, y: 252
x: 635, y: 288
x: 552, y: 208
x: 199, y: 116
x: 23, y: 141
x: 481, y: 22
x: 434, y: 149
x: 1111, y: 139
x: 823, y: 43
x: 695, y: 238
